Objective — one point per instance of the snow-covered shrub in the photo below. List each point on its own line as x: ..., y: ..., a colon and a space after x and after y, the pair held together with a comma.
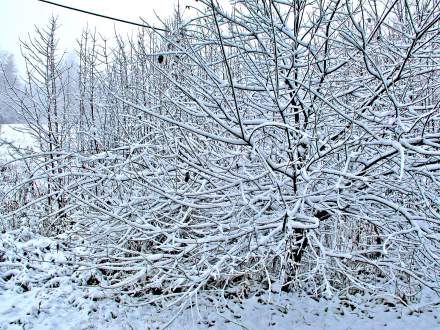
x: 277, y: 146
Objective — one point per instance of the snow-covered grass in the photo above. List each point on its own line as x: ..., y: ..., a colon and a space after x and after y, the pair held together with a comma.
x: 41, y: 289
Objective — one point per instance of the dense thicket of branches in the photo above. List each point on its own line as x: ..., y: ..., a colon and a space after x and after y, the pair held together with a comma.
x: 283, y: 143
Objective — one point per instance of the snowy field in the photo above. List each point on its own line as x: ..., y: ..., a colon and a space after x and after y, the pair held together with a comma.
x: 16, y: 135
x: 40, y: 289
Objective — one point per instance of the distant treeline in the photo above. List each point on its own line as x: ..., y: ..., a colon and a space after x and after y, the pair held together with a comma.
x: 8, y: 78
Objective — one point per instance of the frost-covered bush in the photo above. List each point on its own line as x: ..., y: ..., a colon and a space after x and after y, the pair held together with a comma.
x: 279, y: 145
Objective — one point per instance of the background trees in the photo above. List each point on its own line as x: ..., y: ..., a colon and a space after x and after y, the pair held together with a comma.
x: 8, y: 80
x: 289, y: 144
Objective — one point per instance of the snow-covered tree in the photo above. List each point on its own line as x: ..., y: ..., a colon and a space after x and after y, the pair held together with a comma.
x: 45, y: 105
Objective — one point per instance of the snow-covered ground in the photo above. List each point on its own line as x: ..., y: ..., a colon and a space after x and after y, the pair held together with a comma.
x: 40, y: 289
x: 16, y: 135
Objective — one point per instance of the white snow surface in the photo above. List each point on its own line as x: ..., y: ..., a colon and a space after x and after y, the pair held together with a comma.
x: 39, y: 289
x: 18, y: 136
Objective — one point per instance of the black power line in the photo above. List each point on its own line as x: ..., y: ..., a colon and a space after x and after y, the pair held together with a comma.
x: 103, y: 16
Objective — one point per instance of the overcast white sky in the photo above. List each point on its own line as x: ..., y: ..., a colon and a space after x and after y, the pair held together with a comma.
x: 18, y: 18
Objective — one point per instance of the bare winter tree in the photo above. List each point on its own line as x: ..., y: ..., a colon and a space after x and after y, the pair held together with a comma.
x: 44, y: 103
